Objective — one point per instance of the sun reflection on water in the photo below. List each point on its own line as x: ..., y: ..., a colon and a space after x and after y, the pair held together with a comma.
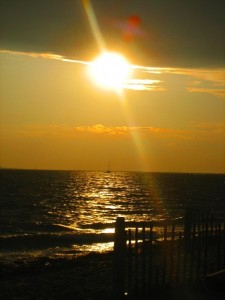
x: 98, y: 198
x: 108, y: 230
x: 98, y: 247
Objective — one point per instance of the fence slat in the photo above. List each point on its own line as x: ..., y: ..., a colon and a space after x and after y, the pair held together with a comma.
x: 143, y: 271
x: 164, y: 267
x: 130, y: 262
x: 119, y: 258
x: 150, y: 257
x: 136, y: 265
x: 172, y: 253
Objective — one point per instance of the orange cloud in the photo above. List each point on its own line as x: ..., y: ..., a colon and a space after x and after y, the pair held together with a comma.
x: 43, y: 56
x: 211, y: 81
x: 217, y: 76
x: 33, y: 54
x: 215, y: 92
x: 196, y: 132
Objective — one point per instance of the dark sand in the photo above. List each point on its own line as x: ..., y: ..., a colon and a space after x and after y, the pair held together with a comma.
x: 83, y: 278
x: 88, y: 277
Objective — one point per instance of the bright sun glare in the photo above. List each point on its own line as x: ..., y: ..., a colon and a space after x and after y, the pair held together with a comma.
x: 110, y: 70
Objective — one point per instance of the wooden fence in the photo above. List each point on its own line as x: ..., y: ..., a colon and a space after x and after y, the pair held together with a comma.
x: 151, y: 256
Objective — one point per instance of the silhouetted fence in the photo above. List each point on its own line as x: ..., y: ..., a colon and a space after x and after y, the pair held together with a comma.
x: 153, y: 255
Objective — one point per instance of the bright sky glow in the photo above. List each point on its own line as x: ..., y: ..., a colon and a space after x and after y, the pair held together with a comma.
x: 53, y: 108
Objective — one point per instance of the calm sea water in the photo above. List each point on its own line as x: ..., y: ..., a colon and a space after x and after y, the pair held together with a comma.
x: 58, y: 213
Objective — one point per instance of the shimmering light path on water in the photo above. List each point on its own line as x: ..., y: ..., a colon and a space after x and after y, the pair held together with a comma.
x: 62, y: 211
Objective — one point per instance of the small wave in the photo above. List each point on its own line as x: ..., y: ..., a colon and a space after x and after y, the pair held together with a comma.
x: 65, y: 227
x: 96, y: 226
x: 44, y: 241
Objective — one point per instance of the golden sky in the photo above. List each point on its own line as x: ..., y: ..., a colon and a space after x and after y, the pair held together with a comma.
x: 170, y: 117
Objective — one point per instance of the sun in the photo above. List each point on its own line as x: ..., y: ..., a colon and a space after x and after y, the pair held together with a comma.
x: 110, y: 70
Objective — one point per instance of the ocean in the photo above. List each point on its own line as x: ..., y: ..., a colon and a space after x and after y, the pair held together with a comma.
x: 69, y: 213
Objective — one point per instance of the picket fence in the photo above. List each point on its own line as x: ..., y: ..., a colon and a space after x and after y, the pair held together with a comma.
x: 149, y: 256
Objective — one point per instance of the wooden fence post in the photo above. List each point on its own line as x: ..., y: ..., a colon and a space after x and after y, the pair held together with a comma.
x: 188, y: 226
x: 119, y: 258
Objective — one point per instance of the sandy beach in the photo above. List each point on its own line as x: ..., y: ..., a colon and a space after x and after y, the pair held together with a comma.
x: 88, y: 277
x: 83, y: 278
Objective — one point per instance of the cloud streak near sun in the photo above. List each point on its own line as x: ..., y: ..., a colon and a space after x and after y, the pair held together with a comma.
x: 146, y: 78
